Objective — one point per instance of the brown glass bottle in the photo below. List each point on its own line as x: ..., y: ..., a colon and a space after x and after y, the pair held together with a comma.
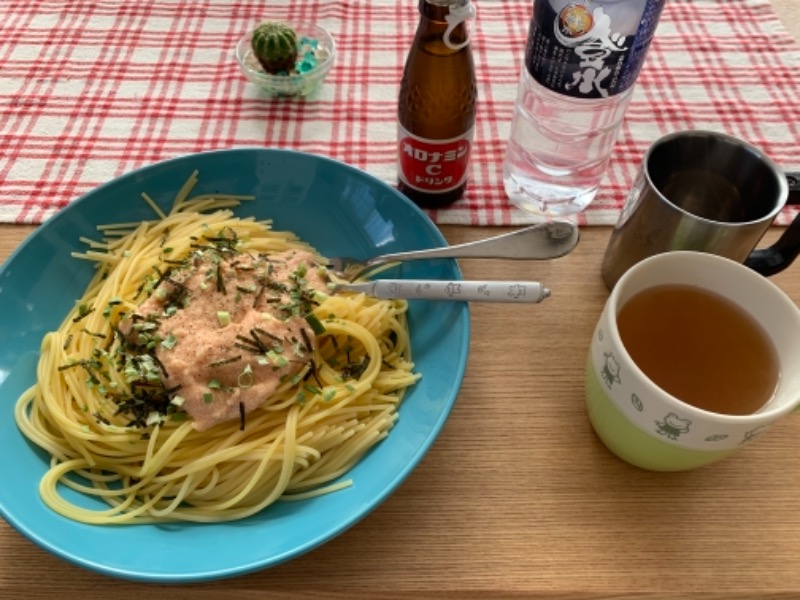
x: 436, y: 107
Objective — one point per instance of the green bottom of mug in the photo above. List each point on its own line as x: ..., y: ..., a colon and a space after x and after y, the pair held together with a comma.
x: 630, y: 443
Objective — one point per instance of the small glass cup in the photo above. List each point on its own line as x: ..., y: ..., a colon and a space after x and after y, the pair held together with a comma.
x: 300, y: 83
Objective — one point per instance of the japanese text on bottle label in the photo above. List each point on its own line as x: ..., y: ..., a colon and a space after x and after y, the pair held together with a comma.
x: 592, y: 48
x: 433, y: 165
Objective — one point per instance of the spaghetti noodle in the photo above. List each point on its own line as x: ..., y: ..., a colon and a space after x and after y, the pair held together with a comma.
x: 120, y: 429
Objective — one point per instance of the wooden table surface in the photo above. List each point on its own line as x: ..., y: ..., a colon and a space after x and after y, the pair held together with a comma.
x: 517, y: 497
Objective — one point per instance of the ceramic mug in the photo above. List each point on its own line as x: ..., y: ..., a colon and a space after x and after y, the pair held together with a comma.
x: 704, y: 191
x: 647, y: 427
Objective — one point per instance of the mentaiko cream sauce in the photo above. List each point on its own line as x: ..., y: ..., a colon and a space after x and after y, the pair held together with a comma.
x: 207, y: 363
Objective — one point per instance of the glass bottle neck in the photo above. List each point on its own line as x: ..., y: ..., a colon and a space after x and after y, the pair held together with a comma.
x: 434, y: 22
x: 437, y: 10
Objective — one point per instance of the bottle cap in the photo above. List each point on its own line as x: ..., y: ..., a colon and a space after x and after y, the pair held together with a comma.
x: 460, y: 11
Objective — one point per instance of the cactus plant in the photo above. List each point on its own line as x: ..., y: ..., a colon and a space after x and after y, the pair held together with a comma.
x: 275, y: 46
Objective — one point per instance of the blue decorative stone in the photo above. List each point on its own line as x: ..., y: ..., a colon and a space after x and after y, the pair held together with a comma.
x: 305, y: 66
x: 306, y: 47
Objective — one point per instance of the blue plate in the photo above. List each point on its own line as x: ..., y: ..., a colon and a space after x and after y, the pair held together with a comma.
x: 335, y: 207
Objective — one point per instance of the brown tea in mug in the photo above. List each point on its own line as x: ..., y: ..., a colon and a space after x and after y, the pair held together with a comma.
x: 700, y: 347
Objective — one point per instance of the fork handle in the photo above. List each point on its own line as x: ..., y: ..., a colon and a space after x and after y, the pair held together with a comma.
x: 458, y: 291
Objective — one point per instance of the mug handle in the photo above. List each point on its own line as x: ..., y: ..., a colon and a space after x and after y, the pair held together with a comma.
x: 780, y: 255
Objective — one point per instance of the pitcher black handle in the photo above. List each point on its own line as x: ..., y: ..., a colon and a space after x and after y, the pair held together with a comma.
x: 780, y: 255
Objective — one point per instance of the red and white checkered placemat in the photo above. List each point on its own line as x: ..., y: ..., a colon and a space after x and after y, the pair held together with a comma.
x: 92, y: 89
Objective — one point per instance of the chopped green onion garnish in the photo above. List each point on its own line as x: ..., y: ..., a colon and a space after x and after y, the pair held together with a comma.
x: 276, y: 359
x: 316, y: 325
x: 169, y: 342
x: 224, y: 318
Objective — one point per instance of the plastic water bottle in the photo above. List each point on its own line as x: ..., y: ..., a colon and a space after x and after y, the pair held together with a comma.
x: 581, y: 63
